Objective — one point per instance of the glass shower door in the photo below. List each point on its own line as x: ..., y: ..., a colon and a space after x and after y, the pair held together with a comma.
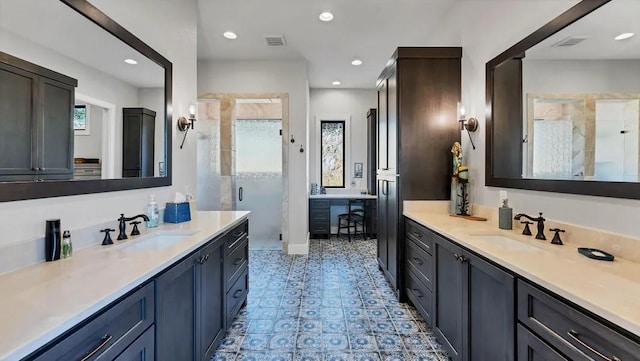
x: 258, y: 162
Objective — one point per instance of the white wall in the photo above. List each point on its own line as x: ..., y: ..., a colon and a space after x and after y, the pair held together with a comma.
x: 490, y: 28
x: 354, y: 102
x: 580, y: 76
x: 90, y: 146
x: 147, y: 19
x: 273, y: 77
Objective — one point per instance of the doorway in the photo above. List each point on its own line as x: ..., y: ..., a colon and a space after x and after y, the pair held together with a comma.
x: 242, y: 160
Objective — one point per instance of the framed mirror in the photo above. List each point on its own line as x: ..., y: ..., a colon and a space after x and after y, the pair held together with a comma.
x: 564, y: 105
x: 84, y: 104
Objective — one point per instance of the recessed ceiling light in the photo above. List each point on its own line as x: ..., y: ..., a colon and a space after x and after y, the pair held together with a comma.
x: 326, y: 16
x: 624, y: 36
x: 356, y: 62
x: 130, y: 61
x: 230, y: 35
x: 336, y: 82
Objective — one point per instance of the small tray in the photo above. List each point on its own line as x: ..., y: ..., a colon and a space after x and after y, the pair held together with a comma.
x: 592, y: 253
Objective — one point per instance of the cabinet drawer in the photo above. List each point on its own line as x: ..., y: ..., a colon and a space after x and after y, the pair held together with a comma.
x: 319, y: 227
x: 570, y: 331
x: 110, y: 333
x: 237, y: 294
x: 420, y: 262
x: 419, y: 234
x: 236, y: 236
x: 532, y: 348
x: 235, y: 263
x: 319, y: 204
x: 420, y: 296
x: 142, y: 349
x: 319, y: 215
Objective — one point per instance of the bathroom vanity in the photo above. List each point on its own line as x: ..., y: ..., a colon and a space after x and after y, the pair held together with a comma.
x: 505, y: 296
x: 169, y: 295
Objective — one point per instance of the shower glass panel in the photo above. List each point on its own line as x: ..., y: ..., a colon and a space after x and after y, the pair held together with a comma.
x: 258, y: 162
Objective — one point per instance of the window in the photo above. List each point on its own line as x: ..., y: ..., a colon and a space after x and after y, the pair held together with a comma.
x: 332, y: 155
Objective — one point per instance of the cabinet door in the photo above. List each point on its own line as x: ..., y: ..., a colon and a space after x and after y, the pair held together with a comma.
x: 392, y: 121
x: 176, y: 312
x: 531, y: 348
x: 382, y: 224
x: 131, y: 144
x: 141, y: 349
x: 382, y: 126
x: 449, y: 289
x: 56, y: 130
x: 210, y: 309
x: 18, y: 137
x: 489, y: 305
x: 392, y: 221
x: 147, y: 144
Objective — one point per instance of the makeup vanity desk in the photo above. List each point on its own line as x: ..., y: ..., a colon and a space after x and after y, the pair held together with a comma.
x: 320, y: 212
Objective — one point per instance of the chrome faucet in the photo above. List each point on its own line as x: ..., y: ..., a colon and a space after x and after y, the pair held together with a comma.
x: 122, y: 227
x: 538, y: 219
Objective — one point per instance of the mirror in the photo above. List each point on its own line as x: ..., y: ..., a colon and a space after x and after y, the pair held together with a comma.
x: 97, y: 101
x: 564, y: 111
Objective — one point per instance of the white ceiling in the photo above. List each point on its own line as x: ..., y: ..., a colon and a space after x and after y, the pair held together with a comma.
x: 369, y: 30
x: 601, y: 26
x: 56, y: 27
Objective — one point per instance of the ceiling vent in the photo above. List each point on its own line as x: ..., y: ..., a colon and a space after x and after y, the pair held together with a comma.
x: 570, y: 41
x: 275, y: 40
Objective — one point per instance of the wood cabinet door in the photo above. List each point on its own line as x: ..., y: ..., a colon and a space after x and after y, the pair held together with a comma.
x: 131, y: 145
x: 392, y: 219
x: 211, y: 309
x: 382, y: 126
x: 176, y: 292
x: 392, y: 121
x: 56, y: 130
x: 488, y: 311
x: 382, y: 224
x: 18, y: 143
x: 449, y: 302
x: 147, y: 145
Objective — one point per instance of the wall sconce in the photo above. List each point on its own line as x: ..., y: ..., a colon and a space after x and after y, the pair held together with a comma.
x: 184, y: 124
x: 471, y: 124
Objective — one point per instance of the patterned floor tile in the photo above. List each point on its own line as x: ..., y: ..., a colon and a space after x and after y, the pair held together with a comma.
x: 333, y: 304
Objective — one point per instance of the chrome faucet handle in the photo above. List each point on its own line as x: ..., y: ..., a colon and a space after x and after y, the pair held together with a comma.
x: 135, y: 231
x: 556, y: 237
x: 107, y: 237
x: 526, y: 231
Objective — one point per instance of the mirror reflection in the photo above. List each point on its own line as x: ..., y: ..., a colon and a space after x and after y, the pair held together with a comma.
x: 581, y: 96
x: 86, y: 105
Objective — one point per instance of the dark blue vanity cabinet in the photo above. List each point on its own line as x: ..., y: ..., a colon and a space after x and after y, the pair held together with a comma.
x: 180, y: 314
x: 480, y: 311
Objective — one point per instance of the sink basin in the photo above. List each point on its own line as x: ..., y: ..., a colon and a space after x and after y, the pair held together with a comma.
x: 506, y: 242
x: 157, y: 240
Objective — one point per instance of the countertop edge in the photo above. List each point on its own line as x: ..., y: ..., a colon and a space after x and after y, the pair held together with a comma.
x: 617, y: 320
x: 33, y: 345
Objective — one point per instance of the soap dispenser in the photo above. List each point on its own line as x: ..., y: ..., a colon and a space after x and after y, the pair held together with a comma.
x: 153, y: 213
x: 505, y: 215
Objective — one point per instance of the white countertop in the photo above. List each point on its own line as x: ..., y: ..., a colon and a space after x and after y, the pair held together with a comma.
x: 42, y: 301
x: 608, y: 289
x: 342, y: 196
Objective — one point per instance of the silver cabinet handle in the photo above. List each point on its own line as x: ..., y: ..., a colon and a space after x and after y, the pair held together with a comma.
x: 418, y: 260
x: 103, y: 341
x: 575, y: 335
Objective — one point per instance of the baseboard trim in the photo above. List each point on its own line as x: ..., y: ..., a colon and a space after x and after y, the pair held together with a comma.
x: 299, y: 248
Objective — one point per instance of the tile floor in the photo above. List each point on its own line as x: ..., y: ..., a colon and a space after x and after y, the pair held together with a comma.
x: 331, y: 305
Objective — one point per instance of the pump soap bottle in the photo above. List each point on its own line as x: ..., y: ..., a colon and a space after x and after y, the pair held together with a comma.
x: 153, y: 213
x: 505, y: 215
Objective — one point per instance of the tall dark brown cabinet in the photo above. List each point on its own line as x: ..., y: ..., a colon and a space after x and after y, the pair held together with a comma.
x: 36, y: 114
x: 138, y: 142
x: 417, y: 96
